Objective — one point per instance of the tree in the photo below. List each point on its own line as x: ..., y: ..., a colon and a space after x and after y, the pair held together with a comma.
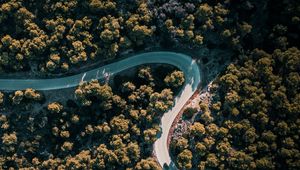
x: 9, y: 139
x: 224, y: 147
x: 150, y: 135
x: 141, y: 94
x: 241, y: 160
x: 268, y: 136
x: 80, y: 161
x: 120, y: 124
x: 161, y: 102
x: 55, y: 107
x: 189, y: 112
x: 212, y: 129
x: 212, y: 160
x: 179, y: 144
x: 98, y: 5
x: 67, y: 146
x: 184, y: 159
x: 119, y: 102
x: 18, y: 97
x: 264, y: 163
x: 175, y: 79
x: 128, y: 87
x: 110, y: 28
x: 86, y: 91
x: 201, y: 149
x: 133, y: 151
x: 197, y: 129
x: 1, y: 98
x: 145, y: 73
x: 149, y: 164
x: 32, y: 94
x: 139, y: 25
x: 250, y: 135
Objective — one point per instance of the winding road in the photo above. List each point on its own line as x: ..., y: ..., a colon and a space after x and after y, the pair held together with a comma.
x: 181, y: 61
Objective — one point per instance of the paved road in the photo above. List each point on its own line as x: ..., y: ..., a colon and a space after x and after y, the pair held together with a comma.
x: 183, y: 62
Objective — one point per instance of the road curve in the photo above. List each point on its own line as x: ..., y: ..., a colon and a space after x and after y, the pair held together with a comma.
x: 181, y: 61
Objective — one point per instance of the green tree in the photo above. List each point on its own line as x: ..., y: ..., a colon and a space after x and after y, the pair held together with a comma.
x: 189, y: 112
x: 120, y: 124
x: 145, y: 73
x: 184, y: 159
x: 197, y: 129
x: 18, y: 97
x: 88, y: 90
x: 161, y: 102
x: 178, y: 145
x: 148, y: 163
x: 150, y: 135
x: 175, y: 79
x: 32, y: 94
x: 1, y: 98
x: 55, y: 107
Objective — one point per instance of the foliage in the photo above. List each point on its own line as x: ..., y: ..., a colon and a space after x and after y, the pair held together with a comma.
x: 255, y: 117
x: 252, y: 122
x: 175, y: 79
x: 58, y: 36
x: 103, y: 128
x: 189, y: 112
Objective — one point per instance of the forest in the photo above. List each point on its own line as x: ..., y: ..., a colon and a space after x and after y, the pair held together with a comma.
x: 46, y: 37
x: 252, y: 120
x: 104, y: 127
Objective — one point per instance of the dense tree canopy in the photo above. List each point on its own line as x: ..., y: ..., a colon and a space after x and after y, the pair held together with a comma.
x: 251, y: 122
x: 56, y: 36
x: 255, y: 117
x: 105, y: 127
